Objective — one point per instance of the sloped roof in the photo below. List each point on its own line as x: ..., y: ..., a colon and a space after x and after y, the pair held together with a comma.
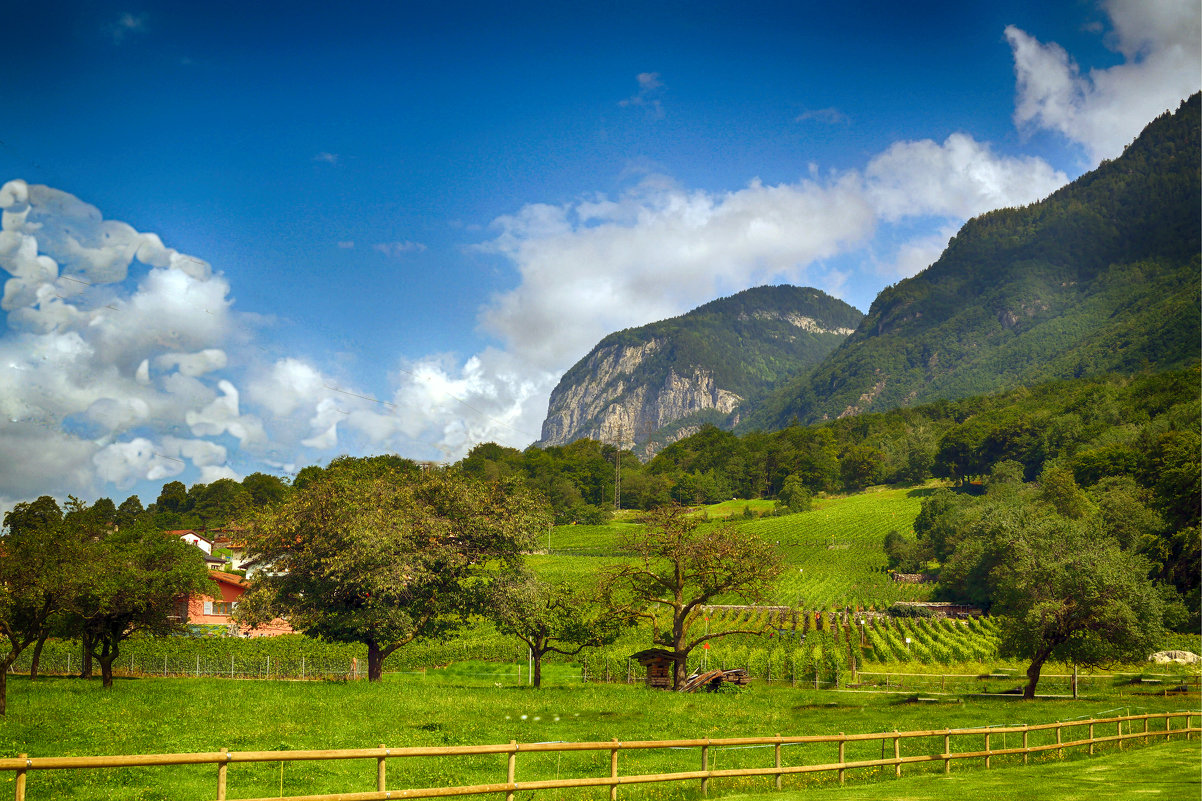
x: 227, y: 578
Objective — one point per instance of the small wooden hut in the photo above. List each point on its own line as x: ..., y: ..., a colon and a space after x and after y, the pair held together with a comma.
x: 660, y: 664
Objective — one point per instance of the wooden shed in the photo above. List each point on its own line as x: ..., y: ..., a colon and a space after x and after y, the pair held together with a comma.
x: 659, y: 663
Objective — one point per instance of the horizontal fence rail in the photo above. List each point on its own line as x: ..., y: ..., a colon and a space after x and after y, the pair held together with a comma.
x: 1164, y: 728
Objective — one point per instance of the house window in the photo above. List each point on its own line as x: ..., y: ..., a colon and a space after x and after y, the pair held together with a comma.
x: 220, y: 608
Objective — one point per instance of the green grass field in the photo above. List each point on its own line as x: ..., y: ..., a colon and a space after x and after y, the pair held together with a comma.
x: 464, y: 705
x: 1127, y: 775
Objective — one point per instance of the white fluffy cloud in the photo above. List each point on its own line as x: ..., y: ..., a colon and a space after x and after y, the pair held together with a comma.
x: 100, y: 364
x: 1104, y: 109
x: 959, y: 178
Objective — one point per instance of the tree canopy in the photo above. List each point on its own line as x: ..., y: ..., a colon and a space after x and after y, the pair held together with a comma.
x: 381, y: 554
x: 680, y: 567
x: 1068, y: 594
x: 558, y: 618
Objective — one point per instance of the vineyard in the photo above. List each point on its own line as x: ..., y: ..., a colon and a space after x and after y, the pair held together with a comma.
x: 834, y: 555
x: 825, y: 648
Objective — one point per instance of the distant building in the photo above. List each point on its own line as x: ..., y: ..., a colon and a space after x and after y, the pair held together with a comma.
x: 205, y: 612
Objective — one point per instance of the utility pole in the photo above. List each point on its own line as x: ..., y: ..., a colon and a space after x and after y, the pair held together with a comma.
x: 618, y: 470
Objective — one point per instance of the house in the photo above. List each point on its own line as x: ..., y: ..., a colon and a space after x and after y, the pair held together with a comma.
x: 192, y: 538
x: 205, y: 613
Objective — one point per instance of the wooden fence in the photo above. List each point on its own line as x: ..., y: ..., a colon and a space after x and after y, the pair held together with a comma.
x: 24, y: 764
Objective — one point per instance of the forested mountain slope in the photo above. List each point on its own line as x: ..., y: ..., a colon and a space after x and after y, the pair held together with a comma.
x: 662, y: 381
x: 1100, y: 277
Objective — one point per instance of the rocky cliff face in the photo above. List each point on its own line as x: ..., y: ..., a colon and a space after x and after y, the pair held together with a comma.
x: 650, y: 386
x: 614, y: 406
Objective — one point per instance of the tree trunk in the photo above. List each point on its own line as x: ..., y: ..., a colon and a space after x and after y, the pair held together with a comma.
x: 375, y: 662
x: 85, y: 661
x: 680, y: 670
x: 1033, y: 676
x: 538, y: 667
x: 5, y: 664
x: 37, y: 656
x: 106, y: 669
x: 106, y: 657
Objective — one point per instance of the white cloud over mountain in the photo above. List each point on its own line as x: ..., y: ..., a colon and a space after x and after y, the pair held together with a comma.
x: 1104, y: 109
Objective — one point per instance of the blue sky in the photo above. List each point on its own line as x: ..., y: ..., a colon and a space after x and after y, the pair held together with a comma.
x: 254, y: 236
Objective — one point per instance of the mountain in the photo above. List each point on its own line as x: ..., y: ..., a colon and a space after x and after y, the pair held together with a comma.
x: 1101, y: 276
x: 660, y: 382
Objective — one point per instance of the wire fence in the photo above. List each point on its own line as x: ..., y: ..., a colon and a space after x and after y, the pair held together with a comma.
x: 501, y: 662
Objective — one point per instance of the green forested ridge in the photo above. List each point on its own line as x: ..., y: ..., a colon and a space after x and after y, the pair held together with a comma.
x: 746, y: 341
x: 1101, y: 276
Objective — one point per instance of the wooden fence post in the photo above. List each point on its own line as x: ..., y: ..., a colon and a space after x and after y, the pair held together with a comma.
x: 1145, y: 729
x: 613, y: 771
x: 705, y: 766
x: 776, y: 748
x: 842, y: 753
x: 897, y: 754
x: 20, y: 793
x: 1026, y: 751
x: 1168, y: 727
x: 1091, y: 737
x: 222, y: 767
x: 511, y: 771
x: 1120, y: 733
x: 947, y: 751
x: 1059, y: 748
x: 380, y: 771
x: 986, y: 750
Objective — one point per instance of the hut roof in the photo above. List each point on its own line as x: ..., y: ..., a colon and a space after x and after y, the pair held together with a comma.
x: 653, y: 655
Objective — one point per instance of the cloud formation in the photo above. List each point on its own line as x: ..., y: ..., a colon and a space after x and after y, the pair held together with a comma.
x: 105, y: 367
x: 1104, y: 109
x: 830, y: 116
x: 126, y: 25
x: 601, y: 264
x: 397, y: 249
x: 648, y: 95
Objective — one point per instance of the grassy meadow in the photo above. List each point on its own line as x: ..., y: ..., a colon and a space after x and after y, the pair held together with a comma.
x: 463, y: 704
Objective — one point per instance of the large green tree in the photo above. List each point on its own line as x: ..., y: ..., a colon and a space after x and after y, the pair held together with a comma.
x: 380, y: 553
x: 134, y: 581
x: 680, y: 567
x: 40, y: 563
x: 1066, y: 593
